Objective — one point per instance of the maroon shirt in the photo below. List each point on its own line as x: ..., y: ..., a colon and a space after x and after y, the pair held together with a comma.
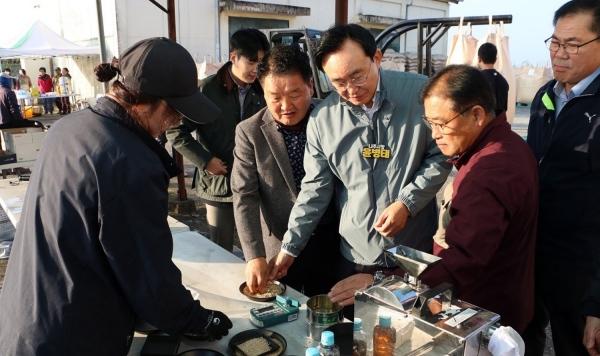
x: 491, y: 236
x: 45, y: 83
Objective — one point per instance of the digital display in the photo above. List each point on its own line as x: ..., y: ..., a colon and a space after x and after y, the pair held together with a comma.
x: 266, y: 309
x: 404, y: 294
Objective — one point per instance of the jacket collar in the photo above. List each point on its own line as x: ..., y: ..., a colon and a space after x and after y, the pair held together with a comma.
x: 276, y: 143
x: 224, y: 76
x: 592, y: 89
x: 110, y: 109
x: 498, y: 122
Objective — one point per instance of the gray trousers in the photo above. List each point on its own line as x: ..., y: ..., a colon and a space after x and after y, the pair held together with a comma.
x: 220, y: 224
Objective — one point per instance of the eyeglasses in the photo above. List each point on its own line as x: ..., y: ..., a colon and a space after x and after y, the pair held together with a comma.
x: 571, y: 48
x: 443, y: 127
x: 357, y: 80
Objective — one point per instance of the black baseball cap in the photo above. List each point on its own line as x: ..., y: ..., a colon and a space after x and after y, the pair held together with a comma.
x: 163, y: 68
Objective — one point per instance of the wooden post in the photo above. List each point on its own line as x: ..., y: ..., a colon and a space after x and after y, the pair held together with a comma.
x: 171, y: 19
x: 341, y: 12
x: 181, y: 192
x: 101, y: 38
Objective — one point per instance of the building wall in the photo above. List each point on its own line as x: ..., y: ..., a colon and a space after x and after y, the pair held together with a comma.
x: 83, y: 79
x: 388, y: 8
x: 426, y: 9
x: 205, y: 32
x: 201, y: 28
x: 401, y: 9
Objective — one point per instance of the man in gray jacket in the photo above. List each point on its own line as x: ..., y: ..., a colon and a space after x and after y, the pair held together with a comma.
x: 367, y: 143
x: 266, y: 176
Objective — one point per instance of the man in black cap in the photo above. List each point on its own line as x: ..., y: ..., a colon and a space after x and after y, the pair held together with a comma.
x: 238, y: 94
x: 92, y: 251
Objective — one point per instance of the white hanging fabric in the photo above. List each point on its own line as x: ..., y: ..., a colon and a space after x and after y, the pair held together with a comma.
x: 463, y: 45
x: 530, y: 78
x: 503, y: 64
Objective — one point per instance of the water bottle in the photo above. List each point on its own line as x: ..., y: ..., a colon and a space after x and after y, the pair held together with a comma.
x: 327, y: 346
x: 384, y: 337
x: 312, y: 351
x: 359, y: 339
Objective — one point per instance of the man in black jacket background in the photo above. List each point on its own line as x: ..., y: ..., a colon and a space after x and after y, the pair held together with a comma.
x: 565, y: 138
x: 9, y: 107
x: 235, y: 90
x: 488, y: 54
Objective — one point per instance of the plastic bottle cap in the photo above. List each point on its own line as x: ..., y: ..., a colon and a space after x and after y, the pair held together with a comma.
x: 357, y: 324
x: 327, y: 338
x: 385, y: 321
x: 312, y: 351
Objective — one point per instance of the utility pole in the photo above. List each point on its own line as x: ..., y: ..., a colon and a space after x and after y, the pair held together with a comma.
x: 170, y: 11
x: 341, y: 12
x: 171, y: 19
x: 101, y: 38
x: 181, y: 192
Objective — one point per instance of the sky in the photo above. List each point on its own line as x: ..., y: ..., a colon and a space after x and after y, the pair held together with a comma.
x: 531, y: 25
x: 21, y: 14
x: 19, y: 20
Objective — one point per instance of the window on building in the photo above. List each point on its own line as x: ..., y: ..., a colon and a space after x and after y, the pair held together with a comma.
x: 237, y: 23
x: 14, y: 64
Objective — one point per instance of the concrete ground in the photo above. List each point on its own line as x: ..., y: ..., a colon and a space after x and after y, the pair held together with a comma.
x: 521, y: 120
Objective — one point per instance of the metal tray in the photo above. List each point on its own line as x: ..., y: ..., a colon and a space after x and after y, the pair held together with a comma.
x: 278, y: 341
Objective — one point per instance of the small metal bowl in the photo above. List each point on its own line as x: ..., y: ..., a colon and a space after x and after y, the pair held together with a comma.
x: 244, y: 291
x: 322, y: 311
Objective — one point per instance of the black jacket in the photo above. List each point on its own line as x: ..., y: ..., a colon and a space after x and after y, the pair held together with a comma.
x: 92, y: 251
x: 567, y: 148
x: 499, y: 88
x: 216, y: 139
x: 9, y: 107
x: 591, y: 304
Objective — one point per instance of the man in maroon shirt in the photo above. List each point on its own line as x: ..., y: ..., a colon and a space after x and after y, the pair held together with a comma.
x: 493, y: 212
x: 45, y: 85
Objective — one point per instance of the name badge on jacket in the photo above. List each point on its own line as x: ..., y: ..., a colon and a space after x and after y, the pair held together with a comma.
x: 376, y: 151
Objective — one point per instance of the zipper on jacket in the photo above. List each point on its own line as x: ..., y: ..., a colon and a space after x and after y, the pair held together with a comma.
x: 556, y: 122
x: 371, y: 162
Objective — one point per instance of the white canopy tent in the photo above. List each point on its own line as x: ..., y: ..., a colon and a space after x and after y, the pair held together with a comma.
x: 7, y: 52
x: 41, y: 41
